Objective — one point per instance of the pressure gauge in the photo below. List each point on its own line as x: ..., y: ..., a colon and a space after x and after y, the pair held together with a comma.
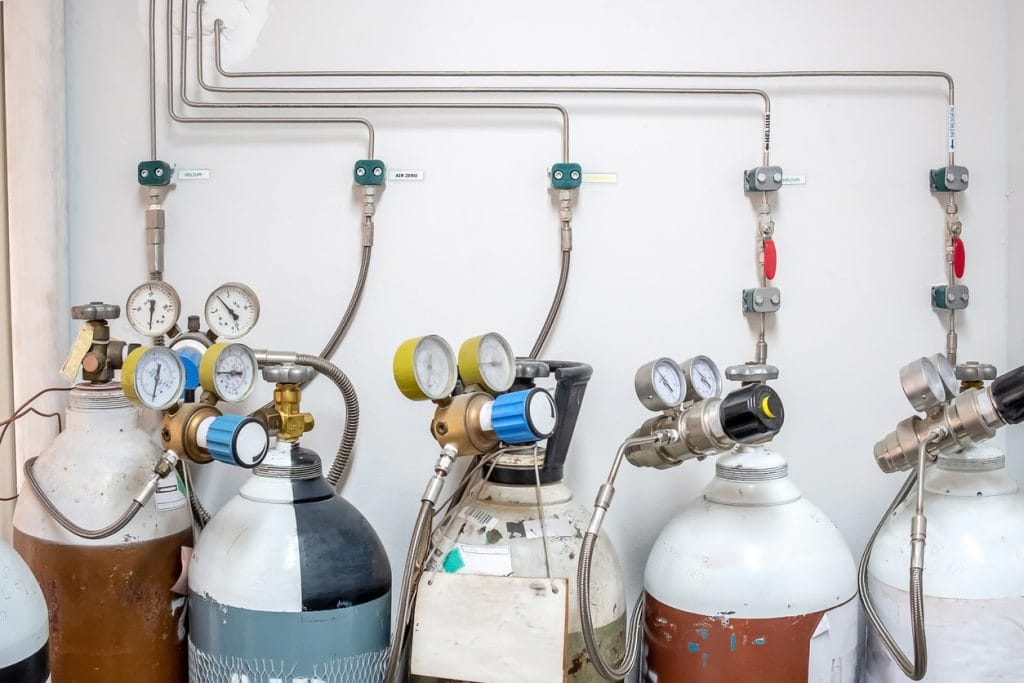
x: 487, y: 360
x: 922, y: 383
x: 424, y: 368
x: 660, y: 384
x: 153, y: 376
x: 232, y: 310
x: 703, y: 379
x: 229, y: 371
x: 946, y: 373
x: 153, y: 308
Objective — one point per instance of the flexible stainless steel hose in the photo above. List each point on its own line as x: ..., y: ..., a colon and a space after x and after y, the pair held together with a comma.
x: 94, y: 535
x: 634, y: 631
x: 405, y: 596
x: 612, y: 671
x: 916, y: 669
x: 343, y: 458
x: 556, y: 304
x: 199, y: 511
x: 346, y: 319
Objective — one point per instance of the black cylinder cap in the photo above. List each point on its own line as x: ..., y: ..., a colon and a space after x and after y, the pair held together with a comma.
x: 1008, y: 395
x: 752, y: 413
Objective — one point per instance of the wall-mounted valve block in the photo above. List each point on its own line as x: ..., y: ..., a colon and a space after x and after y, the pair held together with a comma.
x: 566, y: 176
x: 761, y: 300
x: 951, y: 297
x: 370, y: 172
x: 762, y: 179
x: 155, y: 173
x: 949, y: 179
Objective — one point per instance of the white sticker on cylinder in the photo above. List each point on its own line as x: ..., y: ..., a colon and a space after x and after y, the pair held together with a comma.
x: 482, y: 517
x: 169, y: 495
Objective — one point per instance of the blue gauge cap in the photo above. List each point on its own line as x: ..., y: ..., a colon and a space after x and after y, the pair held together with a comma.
x: 237, y: 440
x: 523, y: 416
x: 190, y: 361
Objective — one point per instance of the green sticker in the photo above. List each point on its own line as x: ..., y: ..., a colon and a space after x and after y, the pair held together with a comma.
x: 453, y: 561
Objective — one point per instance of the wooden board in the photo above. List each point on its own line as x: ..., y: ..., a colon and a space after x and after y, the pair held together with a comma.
x: 490, y: 629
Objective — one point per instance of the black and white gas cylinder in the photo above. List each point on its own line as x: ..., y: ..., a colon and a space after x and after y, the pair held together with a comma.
x: 288, y: 580
x: 24, y: 625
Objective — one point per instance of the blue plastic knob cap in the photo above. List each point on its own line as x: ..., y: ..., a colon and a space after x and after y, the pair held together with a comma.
x: 190, y: 361
x: 523, y: 416
x: 237, y: 440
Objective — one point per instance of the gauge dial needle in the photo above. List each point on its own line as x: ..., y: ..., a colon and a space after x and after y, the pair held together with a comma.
x: 152, y: 307
x: 237, y: 373
x: 230, y: 310
x: 156, y: 382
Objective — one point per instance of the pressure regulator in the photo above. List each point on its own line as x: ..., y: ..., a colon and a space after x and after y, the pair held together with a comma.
x: 694, y: 422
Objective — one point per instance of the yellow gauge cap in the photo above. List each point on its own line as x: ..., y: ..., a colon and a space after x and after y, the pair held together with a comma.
x: 766, y: 409
x: 131, y: 363
x: 404, y: 369
x: 469, y: 362
x: 207, y: 366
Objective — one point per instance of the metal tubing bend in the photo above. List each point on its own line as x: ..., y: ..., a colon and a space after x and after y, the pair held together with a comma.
x: 343, y: 458
x: 90, y: 534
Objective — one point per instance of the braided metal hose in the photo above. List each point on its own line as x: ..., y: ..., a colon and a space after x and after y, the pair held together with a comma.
x: 614, y: 671
x: 348, y: 392
x: 916, y: 669
x: 91, y: 534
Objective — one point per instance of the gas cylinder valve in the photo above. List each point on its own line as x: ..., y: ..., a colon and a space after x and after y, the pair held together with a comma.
x: 953, y: 420
x: 286, y: 418
x: 93, y: 350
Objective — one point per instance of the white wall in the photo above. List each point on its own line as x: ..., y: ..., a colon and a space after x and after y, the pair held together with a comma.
x: 660, y: 257
x: 1015, y: 194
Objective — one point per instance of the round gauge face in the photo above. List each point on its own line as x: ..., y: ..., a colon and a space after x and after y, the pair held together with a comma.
x: 234, y: 372
x: 232, y: 310
x: 704, y: 377
x: 933, y: 378
x: 497, y: 362
x: 946, y: 373
x: 488, y: 360
x: 156, y: 377
x: 434, y: 367
x: 668, y: 382
x: 153, y: 308
x: 540, y: 411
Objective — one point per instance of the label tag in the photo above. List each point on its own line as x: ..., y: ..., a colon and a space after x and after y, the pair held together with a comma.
x: 489, y: 560
x: 481, y: 517
x: 406, y: 175
x: 78, y: 350
x: 600, y: 177
x: 489, y: 628
x: 794, y: 179
x: 170, y: 493
x: 951, y: 127
x: 193, y: 174
x: 554, y: 527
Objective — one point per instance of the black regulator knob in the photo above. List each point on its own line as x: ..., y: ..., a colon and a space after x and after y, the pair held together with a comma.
x: 752, y: 413
x: 1008, y: 395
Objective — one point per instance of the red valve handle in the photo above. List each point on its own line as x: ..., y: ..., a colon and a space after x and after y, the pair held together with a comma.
x: 959, y: 257
x: 771, y: 259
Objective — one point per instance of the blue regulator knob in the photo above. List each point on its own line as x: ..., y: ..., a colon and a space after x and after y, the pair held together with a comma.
x: 523, y: 416
x: 237, y: 440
